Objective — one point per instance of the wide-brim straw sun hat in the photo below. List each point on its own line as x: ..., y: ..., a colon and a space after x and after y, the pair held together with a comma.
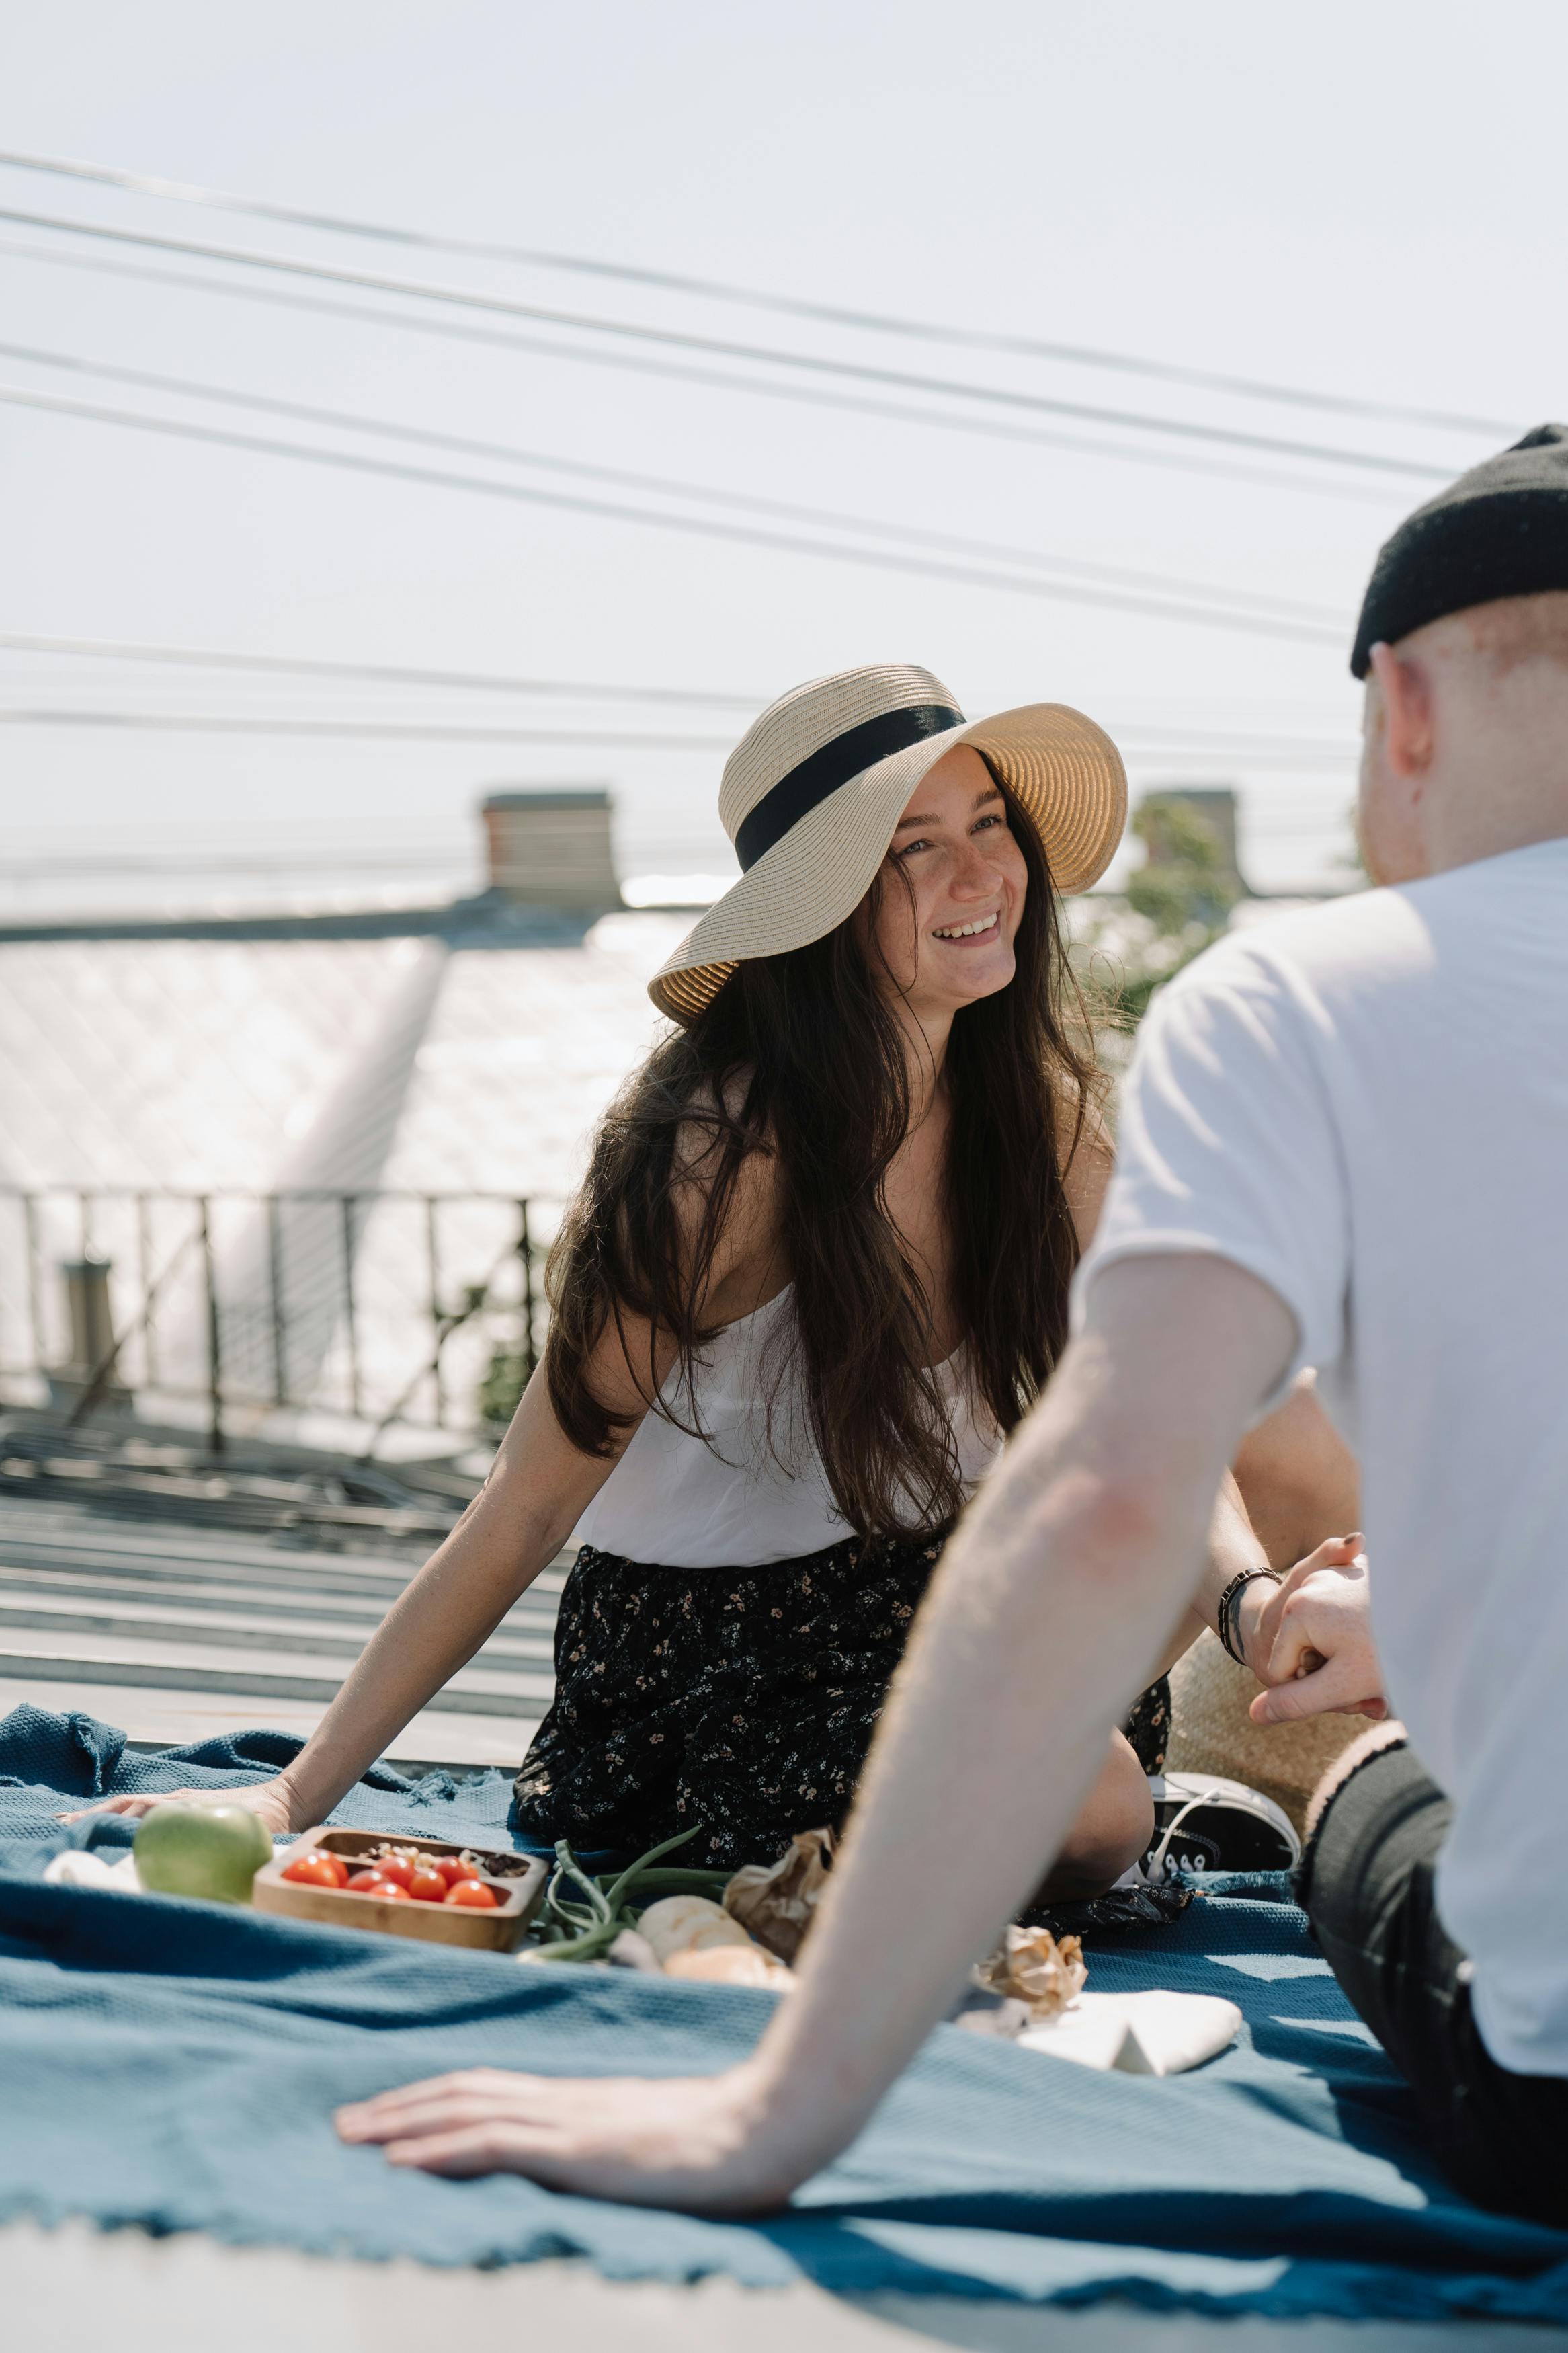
x: 813, y: 791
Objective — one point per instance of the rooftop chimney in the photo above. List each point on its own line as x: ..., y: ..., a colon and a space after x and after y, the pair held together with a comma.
x: 550, y: 847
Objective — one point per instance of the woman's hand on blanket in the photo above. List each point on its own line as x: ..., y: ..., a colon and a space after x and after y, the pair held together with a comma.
x: 273, y: 1801
x: 1314, y: 1637
x: 706, y: 2144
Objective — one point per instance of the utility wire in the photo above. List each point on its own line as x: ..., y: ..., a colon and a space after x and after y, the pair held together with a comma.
x: 191, y: 723
x: 1217, y: 743
x: 813, y: 395
x: 762, y: 355
x: 322, y: 863
x: 754, y: 298
x: 369, y: 673
x: 662, y: 486
x: 749, y: 534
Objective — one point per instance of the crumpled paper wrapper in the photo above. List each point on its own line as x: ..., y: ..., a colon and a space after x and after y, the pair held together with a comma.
x: 1029, y: 1965
x: 776, y: 1903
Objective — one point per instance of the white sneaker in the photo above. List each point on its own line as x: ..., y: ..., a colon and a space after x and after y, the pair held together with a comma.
x: 1204, y: 1822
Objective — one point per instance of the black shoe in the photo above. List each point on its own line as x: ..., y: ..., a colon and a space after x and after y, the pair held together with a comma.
x: 1204, y: 1823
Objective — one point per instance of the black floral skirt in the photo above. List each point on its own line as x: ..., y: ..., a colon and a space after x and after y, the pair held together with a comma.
x: 743, y: 1700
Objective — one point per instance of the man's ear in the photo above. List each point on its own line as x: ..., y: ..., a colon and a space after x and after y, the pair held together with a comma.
x: 1406, y: 697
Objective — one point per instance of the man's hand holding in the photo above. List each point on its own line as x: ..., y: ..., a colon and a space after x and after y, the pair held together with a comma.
x: 1310, y: 1641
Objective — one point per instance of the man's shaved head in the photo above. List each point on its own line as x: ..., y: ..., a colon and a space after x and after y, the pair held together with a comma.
x: 1464, y: 745
x: 1515, y: 629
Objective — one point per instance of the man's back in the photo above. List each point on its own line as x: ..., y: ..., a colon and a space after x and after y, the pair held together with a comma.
x: 1367, y: 1105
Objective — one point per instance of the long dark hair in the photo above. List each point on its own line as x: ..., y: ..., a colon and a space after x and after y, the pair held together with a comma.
x: 801, y: 1056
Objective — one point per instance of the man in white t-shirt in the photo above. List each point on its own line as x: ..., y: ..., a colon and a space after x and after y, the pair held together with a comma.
x: 1344, y: 1144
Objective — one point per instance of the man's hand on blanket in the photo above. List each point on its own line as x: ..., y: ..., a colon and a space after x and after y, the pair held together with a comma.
x: 712, y: 2142
x: 1315, y: 1633
x: 273, y: 1801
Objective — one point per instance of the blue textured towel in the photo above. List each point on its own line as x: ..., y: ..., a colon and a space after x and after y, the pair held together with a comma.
x: 177, y: 2065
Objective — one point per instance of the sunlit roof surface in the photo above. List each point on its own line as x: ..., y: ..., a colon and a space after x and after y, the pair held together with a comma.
x: 358, y: 1066
x: 193, y: 1063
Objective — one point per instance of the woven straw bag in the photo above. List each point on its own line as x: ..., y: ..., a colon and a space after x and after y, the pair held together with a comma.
x: 1212, y: 1732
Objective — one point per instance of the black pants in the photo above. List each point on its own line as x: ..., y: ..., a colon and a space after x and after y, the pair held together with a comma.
x: 1365, y: 1882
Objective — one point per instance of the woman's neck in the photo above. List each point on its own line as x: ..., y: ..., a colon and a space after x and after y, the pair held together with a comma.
x: 925, y: 1057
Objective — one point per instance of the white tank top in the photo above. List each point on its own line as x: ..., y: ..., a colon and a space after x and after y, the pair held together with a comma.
x: 752, y: 1494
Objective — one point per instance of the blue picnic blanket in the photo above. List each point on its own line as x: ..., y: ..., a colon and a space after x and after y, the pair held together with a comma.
x: 175, y: 2064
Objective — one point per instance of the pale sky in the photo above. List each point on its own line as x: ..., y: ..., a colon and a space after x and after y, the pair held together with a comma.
x: 1359, y: 201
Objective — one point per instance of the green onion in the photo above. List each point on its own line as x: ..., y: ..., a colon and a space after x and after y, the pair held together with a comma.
x: 593, y: 1925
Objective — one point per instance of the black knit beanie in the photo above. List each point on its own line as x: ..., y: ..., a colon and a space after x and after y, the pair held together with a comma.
x: 1501, y: 529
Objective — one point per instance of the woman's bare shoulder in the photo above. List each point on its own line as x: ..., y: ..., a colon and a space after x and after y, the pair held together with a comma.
x: 746, y: 1249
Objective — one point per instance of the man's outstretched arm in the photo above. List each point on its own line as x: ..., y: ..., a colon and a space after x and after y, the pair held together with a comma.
x: 1059, y: 1590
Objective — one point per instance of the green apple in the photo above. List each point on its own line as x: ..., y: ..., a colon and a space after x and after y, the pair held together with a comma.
x: 210, y: 1849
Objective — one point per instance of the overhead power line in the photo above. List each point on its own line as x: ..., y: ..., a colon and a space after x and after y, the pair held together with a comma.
x: 200, y: 723
x: 1361, y: 489
x: 370, y: 673
x: 1079, y: 592
x: 464, y: 445
x: 324, y: 863
x: 1218, y: 744
x: 754, y: 298
x: 1206, y: 741
x: 768, y: 356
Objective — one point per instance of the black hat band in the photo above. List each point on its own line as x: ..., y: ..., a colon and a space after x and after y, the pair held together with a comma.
x: 798, y: 792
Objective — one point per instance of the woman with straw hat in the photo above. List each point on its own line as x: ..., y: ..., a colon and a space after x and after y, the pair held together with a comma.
x: 820, y: 1264
x: 817, y: 1271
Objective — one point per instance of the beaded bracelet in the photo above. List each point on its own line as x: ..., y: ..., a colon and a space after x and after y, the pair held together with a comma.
x: 1224, y: 1623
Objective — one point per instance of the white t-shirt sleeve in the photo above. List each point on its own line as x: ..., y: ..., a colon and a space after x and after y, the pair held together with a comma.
x: 1228, y: 1144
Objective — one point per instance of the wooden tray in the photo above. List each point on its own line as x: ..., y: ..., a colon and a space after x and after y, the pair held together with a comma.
x: 523, y: 1876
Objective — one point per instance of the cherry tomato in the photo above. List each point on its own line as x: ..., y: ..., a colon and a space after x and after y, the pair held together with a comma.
x: 397, y: 1868
x: 473, y: 1896
x: 316, y: 1870
x: 428, y: 1887
x: 454, y: 1867
x: 368, y: 1883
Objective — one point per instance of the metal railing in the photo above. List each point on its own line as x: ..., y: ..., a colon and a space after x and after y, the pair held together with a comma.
x: 383, y: 1306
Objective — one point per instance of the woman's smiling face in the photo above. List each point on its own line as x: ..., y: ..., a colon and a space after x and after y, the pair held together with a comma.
x: 947, y: 938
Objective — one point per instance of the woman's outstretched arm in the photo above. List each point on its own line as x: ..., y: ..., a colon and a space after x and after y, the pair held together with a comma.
x: 538, y: 1489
